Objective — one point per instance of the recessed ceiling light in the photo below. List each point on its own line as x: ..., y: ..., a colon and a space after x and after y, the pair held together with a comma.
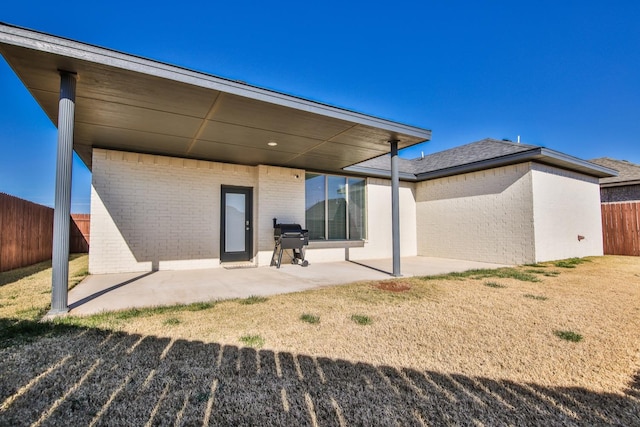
x: 272, y: 143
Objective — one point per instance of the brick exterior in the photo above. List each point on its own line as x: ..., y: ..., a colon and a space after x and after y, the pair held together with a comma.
x: 512, y: 215
x: 379, y: 242
x: 565, y: 207
x: 623, y: 193
x: 153, y: 212
x: 281, y: 196
x: 480, y: 216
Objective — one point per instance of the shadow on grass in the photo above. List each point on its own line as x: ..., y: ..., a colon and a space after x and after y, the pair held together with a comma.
x: 16, y: 274
x: 7, y: 277
x: 19, y: 331
x: 63, y: 375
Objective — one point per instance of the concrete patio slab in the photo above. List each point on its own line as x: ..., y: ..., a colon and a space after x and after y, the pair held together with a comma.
x: 108, y: 292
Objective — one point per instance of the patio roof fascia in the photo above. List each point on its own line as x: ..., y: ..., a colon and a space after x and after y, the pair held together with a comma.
x: 22, y: 37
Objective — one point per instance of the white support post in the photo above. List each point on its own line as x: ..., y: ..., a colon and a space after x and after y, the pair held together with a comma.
x: 395, y: 207
x: 62, y: 212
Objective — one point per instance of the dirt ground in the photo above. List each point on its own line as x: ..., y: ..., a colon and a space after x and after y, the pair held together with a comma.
x: 450, y: 350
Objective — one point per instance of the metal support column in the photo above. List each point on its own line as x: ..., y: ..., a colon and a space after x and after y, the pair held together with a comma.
x: 395, y: 207
x: 62, y: 212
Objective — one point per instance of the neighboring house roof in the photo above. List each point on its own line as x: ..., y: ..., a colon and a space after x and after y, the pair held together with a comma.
x: 135, y: 104
x: 484, y: 154
x: 628, y: 173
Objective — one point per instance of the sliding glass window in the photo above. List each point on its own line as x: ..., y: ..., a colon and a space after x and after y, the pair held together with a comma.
x: 315, y: 201
x: 335, y: 207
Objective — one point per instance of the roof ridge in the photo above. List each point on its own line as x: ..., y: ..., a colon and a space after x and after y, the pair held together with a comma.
x: 509, y: 142
x: 464, y: 146
x: 610, y: 159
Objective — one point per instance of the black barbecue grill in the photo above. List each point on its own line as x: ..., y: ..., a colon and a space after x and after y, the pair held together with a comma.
x: 289, y: 237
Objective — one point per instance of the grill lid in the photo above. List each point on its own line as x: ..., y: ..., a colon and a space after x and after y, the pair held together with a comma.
x: 287, y: 228
x: 278, y: 229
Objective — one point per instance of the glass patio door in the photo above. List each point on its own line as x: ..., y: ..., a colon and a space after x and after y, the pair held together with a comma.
x: 236, y: 224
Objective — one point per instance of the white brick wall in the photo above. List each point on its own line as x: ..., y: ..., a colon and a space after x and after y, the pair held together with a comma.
x: 511, y: 215
x: 379, y: 239
x: 281, y: 196
x: 154, y: 212
x: 480, y: 216
x: 566, y: 204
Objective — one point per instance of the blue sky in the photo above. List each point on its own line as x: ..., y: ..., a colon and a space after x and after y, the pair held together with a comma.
x: 562, y: 74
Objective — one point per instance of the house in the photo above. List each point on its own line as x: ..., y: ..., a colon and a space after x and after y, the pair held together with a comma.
x: 502, y: 202
x: 622, y: 188
x: 189, y: 170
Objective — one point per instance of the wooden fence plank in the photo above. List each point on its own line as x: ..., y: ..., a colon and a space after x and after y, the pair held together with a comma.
x: 26, y: 233
x: 80, y: 226
x: 621, y: 228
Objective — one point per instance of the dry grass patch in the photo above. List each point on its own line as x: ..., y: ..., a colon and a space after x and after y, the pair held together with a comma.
x: 444, y: 351
x: 25, y: 293
x: 392, y: 286
x: 446, y: 323
x: 516, y: 273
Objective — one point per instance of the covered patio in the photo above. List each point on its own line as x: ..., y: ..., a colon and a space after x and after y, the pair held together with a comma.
x: 108, y: 292
x: 103, y: 99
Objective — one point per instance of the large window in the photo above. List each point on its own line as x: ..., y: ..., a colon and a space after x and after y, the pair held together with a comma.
x: 335, y: 207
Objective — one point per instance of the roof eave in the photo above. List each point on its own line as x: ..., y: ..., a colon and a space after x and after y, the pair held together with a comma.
x: 480, y: 165
x: 573, y: 163
x: 620, y: 183
x: 31, y: 39
x: 539, y: 154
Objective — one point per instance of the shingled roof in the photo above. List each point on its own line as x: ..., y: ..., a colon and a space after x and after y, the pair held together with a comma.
x: 479, y: 155
x: 485, y: 149
x: 628, y: 173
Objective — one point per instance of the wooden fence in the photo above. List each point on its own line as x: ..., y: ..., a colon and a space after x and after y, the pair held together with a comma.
x: 26, y: 233
x: 621, y: 228
x: 79, y: 238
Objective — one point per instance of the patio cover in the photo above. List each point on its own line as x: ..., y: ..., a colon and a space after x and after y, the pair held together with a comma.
x: 124, y: 102
x: 106, y: 99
